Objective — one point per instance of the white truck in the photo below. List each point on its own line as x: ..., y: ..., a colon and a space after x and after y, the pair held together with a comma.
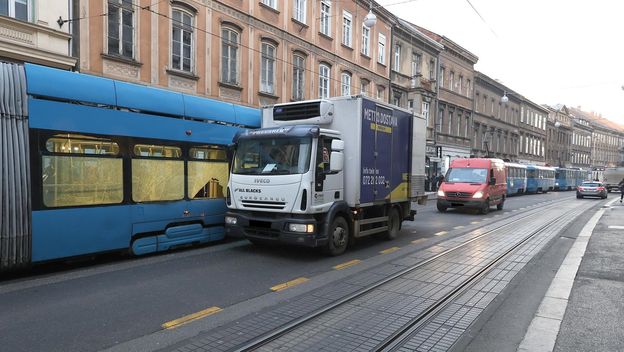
x: 322, y: 173
x: 612, y: 177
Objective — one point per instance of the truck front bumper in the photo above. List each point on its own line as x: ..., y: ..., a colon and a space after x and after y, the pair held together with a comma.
x: 275, y: 229
x: 456, y: 203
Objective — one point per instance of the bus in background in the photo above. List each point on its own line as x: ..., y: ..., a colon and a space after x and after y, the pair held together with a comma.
x: 540, y: 179
x: 516, y: 178
x: 96, y: 165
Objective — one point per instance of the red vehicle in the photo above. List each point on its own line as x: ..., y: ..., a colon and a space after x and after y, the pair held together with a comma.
x: 474, y: 183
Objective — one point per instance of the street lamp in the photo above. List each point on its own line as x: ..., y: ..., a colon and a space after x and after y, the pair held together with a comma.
x: 370, y: 19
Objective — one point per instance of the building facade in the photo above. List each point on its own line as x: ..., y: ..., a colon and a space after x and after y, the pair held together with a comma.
x: 413, y: 79
x: 581, y: 145
x: 36, y: 32
x: 248, y: 52
x: 558, y: 136
x: 454, y: 109
x: 495, y: 125
x: 532, y: 128
x: 606, y: 139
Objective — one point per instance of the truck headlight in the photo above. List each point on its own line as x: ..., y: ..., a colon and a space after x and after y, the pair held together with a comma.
x: 441, y: 193
x: 306, y: 228
x: 478, y: 194
x: 230, y: 220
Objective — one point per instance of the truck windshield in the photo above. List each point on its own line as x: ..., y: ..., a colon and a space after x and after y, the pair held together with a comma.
x: 466, y: 175
x: 272, y: 156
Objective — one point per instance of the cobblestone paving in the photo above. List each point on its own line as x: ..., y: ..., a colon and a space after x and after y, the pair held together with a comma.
x: 363, y: 323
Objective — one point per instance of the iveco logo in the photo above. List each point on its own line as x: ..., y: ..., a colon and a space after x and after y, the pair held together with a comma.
x: 262, y: 180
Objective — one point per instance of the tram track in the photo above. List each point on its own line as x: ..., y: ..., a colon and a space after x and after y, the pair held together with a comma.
x: 395, y: 340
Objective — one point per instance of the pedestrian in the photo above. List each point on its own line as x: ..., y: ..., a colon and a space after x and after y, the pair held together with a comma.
x: 434, y: 182
x: 621, y: 186
x: 440, y: 180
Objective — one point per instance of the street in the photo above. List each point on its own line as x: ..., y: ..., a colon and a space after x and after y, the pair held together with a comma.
x: 100, y: 305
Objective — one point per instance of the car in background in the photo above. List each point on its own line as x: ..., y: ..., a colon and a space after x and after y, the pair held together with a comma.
x: 591, y: 189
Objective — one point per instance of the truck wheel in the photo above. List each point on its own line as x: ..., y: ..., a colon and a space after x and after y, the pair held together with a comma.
x: 441, y: 208
x: 338, y: 237
x: 486, y: 207
x: 394, y: 223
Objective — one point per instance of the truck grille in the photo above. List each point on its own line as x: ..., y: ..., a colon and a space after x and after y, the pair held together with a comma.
x: 458, y: 195
x: 261, y: 204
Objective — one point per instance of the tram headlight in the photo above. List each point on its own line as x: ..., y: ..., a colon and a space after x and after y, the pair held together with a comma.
x: 441, y: 193
x: 478, y: 194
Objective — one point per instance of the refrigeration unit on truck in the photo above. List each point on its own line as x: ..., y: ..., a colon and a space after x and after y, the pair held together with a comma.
x: 321, y: 173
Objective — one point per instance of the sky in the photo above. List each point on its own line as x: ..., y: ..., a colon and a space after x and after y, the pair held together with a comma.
x: 551, y: 51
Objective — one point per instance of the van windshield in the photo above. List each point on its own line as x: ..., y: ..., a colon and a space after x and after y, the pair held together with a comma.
x: 466, y: 175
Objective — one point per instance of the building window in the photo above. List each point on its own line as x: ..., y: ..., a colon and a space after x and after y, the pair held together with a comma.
x: 461, y: 84
x: 364, y: 87
x: 468, y: 84
x: 267, y: 70
x: 345, y: 83
x: 365, y: 40
x: 346, y: 28
x: 415, y: 64
x: 410, y: 104
x: 270, y: 3
x: 298, y: 77
x: 19, y: 9
x: 326, y: 17
x: 451, y: 80
x: 397, y: 58
x: 396, y: 98
x: 324, y: 76
x: 450, y: 122
x: 381, y: 49
x: 425, y: 111
x: 120, y: 25
x: 300, y: 11
x: 229, y: 56
x: 381, y: 92
x: 182, y: 40
x: 432, y: 70
x: 441, y: 83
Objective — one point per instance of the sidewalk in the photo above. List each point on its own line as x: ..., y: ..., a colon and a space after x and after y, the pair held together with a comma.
x: 583, y: 309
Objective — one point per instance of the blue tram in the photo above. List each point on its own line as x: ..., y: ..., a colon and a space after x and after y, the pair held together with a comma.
x: 516, y: 178
x: 540, y: 179
x: 92, y: 165
x: 568, y: 179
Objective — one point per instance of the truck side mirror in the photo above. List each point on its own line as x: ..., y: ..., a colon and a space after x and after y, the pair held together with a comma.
x: 492, y: 181
x: 336, y: 161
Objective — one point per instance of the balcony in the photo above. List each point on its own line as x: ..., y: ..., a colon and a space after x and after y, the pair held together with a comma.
x: 412, y: 82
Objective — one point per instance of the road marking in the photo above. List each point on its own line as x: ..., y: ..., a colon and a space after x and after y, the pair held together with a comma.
x: 487, y: 218
x: 347, y: 264
x: 419, y: 240
x: 390, y: 250
x: 458, y: 227
x: 475, y: 222
x: 191, y: 317
x: 544, y: 328
x: 617, y: 227
x: 288, y: 284
x: 441, y: 233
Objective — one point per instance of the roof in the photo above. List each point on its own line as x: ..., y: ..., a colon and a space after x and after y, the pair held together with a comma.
x: 448, y: 43
x: 596, y: 119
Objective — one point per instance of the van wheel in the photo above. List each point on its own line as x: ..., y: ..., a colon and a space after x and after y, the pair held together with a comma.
x: 441, y: 208
x: 338, y: 237
x: 394, y: 224
x: 486, y: 207
x: 500, y: 205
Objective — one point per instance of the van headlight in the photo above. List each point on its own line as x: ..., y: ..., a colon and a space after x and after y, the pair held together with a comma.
x: 441, y: 193
x: 305, y: 228
x: 230, y: 220
x: 478, y: 194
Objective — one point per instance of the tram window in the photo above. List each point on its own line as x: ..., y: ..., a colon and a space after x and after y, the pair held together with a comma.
x: 208, y: 153
x: 79, y: 144
x: 157, y: 180
x: 78, y: 180
x: 157, y: 151
x: 208, y: 173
